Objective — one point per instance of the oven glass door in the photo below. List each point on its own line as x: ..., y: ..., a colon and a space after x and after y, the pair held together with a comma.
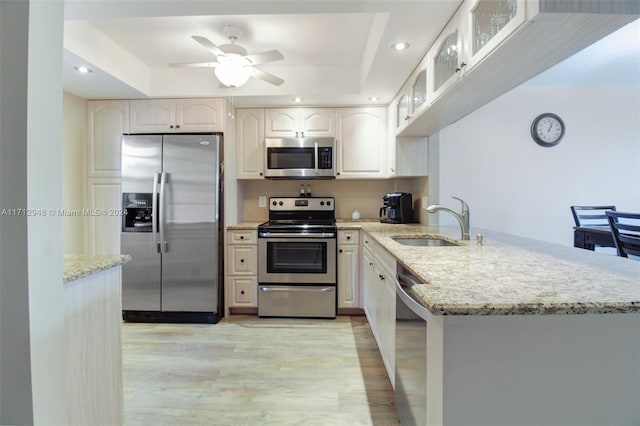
x: 297, y: 260
x: 291, y: 158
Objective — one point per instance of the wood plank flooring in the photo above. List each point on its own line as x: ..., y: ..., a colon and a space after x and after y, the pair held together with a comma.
x: 255, y: 371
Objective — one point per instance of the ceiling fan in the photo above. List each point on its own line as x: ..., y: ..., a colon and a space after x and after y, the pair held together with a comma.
x: 233, y: 66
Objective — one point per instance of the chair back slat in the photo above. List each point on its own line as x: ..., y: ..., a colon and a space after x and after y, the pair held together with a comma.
x: 625, y: 229
x: 593, y: 215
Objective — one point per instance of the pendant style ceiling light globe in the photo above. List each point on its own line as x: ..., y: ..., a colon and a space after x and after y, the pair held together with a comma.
x: 234, y: 70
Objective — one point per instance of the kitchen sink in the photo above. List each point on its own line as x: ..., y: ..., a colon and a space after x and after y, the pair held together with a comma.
x: 423, y: 241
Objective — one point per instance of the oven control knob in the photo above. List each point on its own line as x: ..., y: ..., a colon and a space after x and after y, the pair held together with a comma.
x: 322, y: 203
x: 274, y: 203
x: 328, y: 203
x: 280, y: 203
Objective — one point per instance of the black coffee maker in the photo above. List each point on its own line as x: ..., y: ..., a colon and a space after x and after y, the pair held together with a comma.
x: 397, y: 208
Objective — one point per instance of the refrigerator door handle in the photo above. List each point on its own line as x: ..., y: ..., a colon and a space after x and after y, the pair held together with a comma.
x: 163, y: 243
x: 154, y: 212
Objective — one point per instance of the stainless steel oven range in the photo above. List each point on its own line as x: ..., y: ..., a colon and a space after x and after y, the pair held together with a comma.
x: 297, y: 270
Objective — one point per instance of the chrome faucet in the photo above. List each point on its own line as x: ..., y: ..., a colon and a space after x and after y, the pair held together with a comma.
x: 462, y: 218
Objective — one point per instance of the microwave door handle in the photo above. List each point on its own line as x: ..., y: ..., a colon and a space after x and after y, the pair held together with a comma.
x: 315, y: 157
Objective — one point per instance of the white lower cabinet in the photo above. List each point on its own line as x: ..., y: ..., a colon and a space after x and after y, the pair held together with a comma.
x: 242, y: 269
x: 349, y: 269
x: 379, y: 294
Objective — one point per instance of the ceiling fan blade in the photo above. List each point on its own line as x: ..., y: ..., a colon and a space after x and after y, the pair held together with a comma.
x: 207, y: 44
x: 194, y: 65
x: 261, y: 58
x: 269, y: 78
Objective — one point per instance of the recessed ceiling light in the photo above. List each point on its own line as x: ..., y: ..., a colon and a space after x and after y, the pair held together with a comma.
x: 82, y: 69
x: 402, y: 45
x: 297, y: 99
x: 374, y: 99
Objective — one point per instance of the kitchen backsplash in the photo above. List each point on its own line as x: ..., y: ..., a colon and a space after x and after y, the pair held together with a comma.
x: 363, y: 195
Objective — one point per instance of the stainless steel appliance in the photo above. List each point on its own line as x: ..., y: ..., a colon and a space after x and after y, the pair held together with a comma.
x: 411, y: 352
x: 397, y: 208
x: 171, y: 190
x: 302, y: 158
x: 297, y: 259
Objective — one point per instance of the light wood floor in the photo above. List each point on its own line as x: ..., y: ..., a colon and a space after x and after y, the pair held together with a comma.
x: 255, y: 371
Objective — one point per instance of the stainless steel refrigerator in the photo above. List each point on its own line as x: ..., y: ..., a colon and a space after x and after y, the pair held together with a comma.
x: 171, y: 191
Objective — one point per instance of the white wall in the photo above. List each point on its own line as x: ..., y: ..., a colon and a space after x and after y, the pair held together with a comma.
x: 513, y: 185
x: 31, y: 291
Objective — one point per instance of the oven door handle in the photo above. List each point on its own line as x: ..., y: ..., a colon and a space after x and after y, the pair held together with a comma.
x: 267, y: 234
x: 292, y: 288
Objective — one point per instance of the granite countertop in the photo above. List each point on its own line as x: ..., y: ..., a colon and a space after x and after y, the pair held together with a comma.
x: 510, y: 275
x: 78, y: 266
x: 244, y: 226
x: 507, y: 275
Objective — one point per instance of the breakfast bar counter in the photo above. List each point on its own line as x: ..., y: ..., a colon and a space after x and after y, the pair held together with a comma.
x: 509, y: 275
x: 519, y: 331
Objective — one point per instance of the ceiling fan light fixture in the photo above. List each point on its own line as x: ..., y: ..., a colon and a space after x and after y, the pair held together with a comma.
x: 233, y: 71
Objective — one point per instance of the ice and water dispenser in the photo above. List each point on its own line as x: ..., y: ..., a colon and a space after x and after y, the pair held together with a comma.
x: 139, y: 208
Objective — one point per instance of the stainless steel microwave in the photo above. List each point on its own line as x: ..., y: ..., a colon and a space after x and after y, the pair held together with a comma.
x: 300, y: 158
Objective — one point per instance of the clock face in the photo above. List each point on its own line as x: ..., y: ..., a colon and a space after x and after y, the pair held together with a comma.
x: 547, y: 129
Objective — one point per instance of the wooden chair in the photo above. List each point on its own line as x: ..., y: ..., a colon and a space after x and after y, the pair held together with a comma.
x: 594, y: 216
x: 625, y: 228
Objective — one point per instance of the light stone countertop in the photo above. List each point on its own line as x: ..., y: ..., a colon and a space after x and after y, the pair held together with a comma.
x: 244, y: 226
x: 78, y: 266
x: 508, y: 275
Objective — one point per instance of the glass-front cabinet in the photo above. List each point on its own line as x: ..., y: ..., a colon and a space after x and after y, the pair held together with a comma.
x: 402, y: 110
x: 419, y: 91
x: 447, y: 57
x: 489, y: 23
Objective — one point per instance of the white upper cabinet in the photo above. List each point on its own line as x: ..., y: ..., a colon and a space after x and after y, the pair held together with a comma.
x: 362, y: 142
x: 489, y: 23
x: 419, y: 91
x: 107, y: 121
x: 177, y: 115
x: 447, y: 57
x: 402, y: 110
x: 491, y: 46
x: 300, y: 122
x: 250, y: 143
x: 413, y: 97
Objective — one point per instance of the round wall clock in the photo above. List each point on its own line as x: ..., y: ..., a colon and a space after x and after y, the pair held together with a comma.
x: 547, y: 129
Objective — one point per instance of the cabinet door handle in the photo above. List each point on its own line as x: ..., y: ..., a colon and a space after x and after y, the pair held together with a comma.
x: 171, y: 126
x: 241, y: 260
x: 242, y: 237
x: 242, y: 292
x: 177, y: 126
x: 296, y: 134
x: 302, y: 134
x: 348, y: 237
x: 462, y: 65
x: 340, y: 251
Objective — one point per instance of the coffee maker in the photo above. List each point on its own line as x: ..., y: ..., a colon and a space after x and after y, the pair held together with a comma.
x: 397, y: 208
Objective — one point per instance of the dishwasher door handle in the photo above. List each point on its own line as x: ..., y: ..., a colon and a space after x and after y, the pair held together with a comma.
x: 415, y: 307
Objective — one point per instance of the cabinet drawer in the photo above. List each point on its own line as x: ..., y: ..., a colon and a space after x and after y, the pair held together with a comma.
x: 243, y: 260
x: 244, y: 291
x: 386, y: 259
x: 243, y: 237
x: 348, y: 237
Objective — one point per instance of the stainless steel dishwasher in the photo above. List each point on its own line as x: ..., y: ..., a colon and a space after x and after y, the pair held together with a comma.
x: 411, y: 352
